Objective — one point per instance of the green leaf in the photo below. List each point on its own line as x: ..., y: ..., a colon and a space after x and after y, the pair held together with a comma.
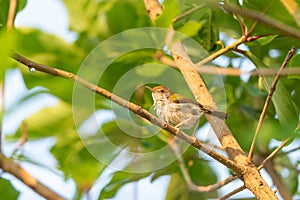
x: 75, y: 160
x: 208, y: 34
x: 190, y: 28
x: 4, y: 6
x: 148, y: 71
x: 295, y: 62
x: 8, y: 39
x: 170, y: 10
x: 93, y: 19
x: 21, y: 5
x: 7, y: 191
x: 266, y: 40
x: 50, y: 122
x: 199, y: 170
x: 285, y: 107
x: 169, y: 170
x: 119, y: 11
x: 83, y: 15
x: 122, y: 136
x: 118, y: 180
x: 271, y: 129
x: 177, y: 188
x: 200, y: 173
x: 254, y: 91
x: 58, y: 54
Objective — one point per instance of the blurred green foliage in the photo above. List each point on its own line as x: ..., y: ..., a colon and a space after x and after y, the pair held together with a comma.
x: 95, y: 21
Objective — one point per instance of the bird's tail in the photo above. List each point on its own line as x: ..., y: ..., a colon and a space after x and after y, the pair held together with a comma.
x: 219, y: 114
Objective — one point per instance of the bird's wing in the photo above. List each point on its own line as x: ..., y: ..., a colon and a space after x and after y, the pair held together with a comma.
x: 179, y: 98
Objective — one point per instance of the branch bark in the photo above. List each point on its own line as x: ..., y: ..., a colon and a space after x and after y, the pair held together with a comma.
x: 247, y: 170
x: 131, y: 106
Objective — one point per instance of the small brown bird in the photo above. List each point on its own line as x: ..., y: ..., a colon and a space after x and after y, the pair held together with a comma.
x: 178, y: 110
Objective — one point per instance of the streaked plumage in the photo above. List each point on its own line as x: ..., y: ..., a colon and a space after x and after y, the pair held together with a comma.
x: 178, y: 110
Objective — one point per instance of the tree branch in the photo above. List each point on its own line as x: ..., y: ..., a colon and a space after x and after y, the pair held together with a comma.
x: 7, y: 165
x: 252, y: 179
x: 283, y: 143
x: 131, y: 106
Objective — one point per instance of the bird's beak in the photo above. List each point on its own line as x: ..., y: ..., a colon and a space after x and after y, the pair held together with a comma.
x: 149, y: 88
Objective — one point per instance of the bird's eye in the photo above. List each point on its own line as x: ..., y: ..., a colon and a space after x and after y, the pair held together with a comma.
x: 161, y: 90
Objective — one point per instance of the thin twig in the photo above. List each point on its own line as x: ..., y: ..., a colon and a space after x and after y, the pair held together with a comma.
x: 23, y: 139
x: 233, y: 192
x: 241, y: 24
x: 268, y: 100
x: 222, y: 51
x: 24, y: 135
x: 131, y: 106
x: 290, y: 151
x: 11, y: 14
x: 283, y: 143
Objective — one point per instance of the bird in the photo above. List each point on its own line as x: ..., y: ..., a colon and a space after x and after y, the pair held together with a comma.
x: 178, y: 110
